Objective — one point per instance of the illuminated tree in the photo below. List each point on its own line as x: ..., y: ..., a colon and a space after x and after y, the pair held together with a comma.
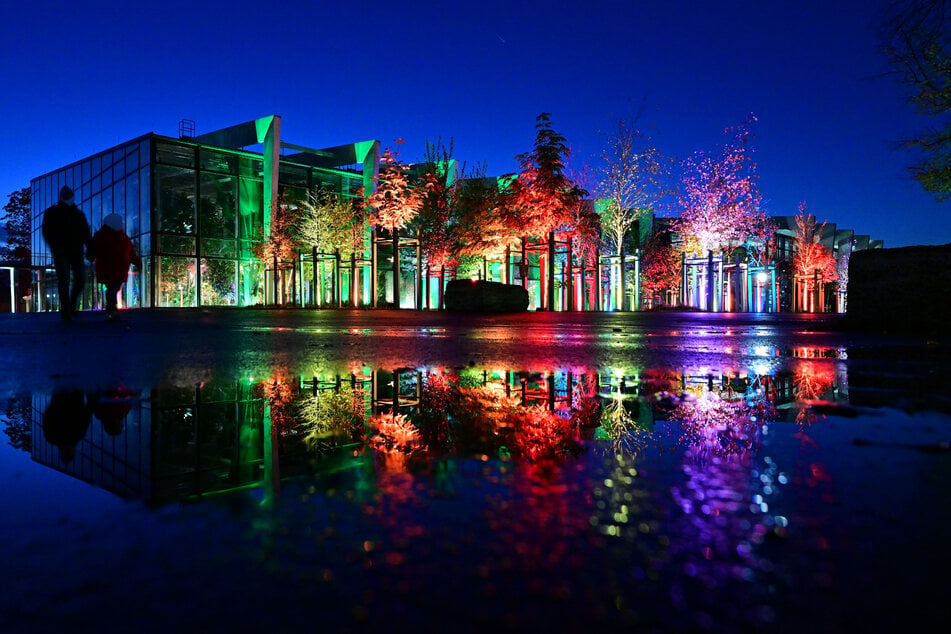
x: 719, y: 198
x: 17, y: 223
x: 397, y: 199
x: 329, y: 221
x: 283, y: 237
x: 542, y: 198
x: 810, y: 256
x: 842, y: 270
x: 916, y: 39
x: 484, y: 230
x: 628, y: 179
x: 660, y: 265
x: 437, y: 221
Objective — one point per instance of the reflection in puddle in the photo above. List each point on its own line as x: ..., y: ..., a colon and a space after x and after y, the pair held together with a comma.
x: 680, y: 491
x: 171, y: 443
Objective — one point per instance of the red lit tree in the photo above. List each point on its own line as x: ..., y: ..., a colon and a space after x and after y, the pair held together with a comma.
x: 278, y: 243
x: 660, y: 265
x: 437, y: 221
x: 719, y: 198
x: 542, y: 198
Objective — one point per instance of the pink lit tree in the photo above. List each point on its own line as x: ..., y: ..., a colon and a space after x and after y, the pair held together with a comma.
x: 719, y: 198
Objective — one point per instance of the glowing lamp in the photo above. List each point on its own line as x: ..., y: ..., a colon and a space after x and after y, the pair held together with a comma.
x: 761, y: 277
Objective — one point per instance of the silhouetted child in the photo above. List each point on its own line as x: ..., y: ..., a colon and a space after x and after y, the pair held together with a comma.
x: 114, y: 253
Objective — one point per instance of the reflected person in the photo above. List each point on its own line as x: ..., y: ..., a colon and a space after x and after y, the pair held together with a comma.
x: 66, y: 421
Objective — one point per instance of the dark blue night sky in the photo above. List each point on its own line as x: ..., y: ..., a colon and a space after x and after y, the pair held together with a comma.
x: 79, y: 77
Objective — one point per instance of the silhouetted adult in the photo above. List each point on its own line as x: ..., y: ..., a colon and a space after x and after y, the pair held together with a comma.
x: 66, y: 421
x: 67, y: 233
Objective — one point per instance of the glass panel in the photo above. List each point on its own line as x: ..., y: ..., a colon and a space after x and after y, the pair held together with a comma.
x: 175, y: 191
x: 251, y: 211
x: 145, y: 147
x: 218, y: 248
x: 293, y: 175
x: 145, y: 201
x: 182, y: 245
x: 251, y: 283
x: 118, y: 199
x: 250, y: 167
x: 106, y: 205
x: 132, y: 204
x: 218, y: 282
x: 171, y: 154
x: 132, y: 160
x: 118, y: 170
x: 175, y: 282
x: 87, y: 173
x: 216, y: 207
x: 218, y: 161
x: 145, y: 245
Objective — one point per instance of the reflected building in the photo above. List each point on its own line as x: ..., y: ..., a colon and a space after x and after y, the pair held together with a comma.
x: 172, y: 443
x: 195, y: 207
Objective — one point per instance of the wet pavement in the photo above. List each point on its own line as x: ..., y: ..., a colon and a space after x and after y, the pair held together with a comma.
x: 351, y: 471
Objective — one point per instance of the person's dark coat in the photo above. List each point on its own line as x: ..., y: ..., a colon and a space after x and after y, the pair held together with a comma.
x: 65, y: 230
x: 114, y: 253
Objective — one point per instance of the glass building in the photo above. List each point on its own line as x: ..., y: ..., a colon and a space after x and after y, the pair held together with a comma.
x: 194, y: 207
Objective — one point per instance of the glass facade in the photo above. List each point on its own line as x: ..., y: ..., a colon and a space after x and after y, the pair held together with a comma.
x: 114, y: 181
x: 193, y: 212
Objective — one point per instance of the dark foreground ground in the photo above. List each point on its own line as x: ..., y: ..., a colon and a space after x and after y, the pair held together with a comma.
x: 776, y: 473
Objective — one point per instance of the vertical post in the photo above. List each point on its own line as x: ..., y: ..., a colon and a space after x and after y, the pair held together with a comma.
x: 551, y: 391
x: 429, y: 277
x: 619, y: 283
x: 419, y: 275
x: 507, y: 270
x: 683, y: 279
x: 274, y: 279
x: 374, y: 259
x: 817, y: 297
x: 338, y: 279
x: 551, y: 270
x: 710, y: 306
x: 485, y: 268
x: 524, y: 265
x: 315, y: 276
x: 637, y: 279
x: 570, y: 280
x: 396, y: 267
x: 354, y: 285
x: 442, y: 284
x: 597, y: 278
